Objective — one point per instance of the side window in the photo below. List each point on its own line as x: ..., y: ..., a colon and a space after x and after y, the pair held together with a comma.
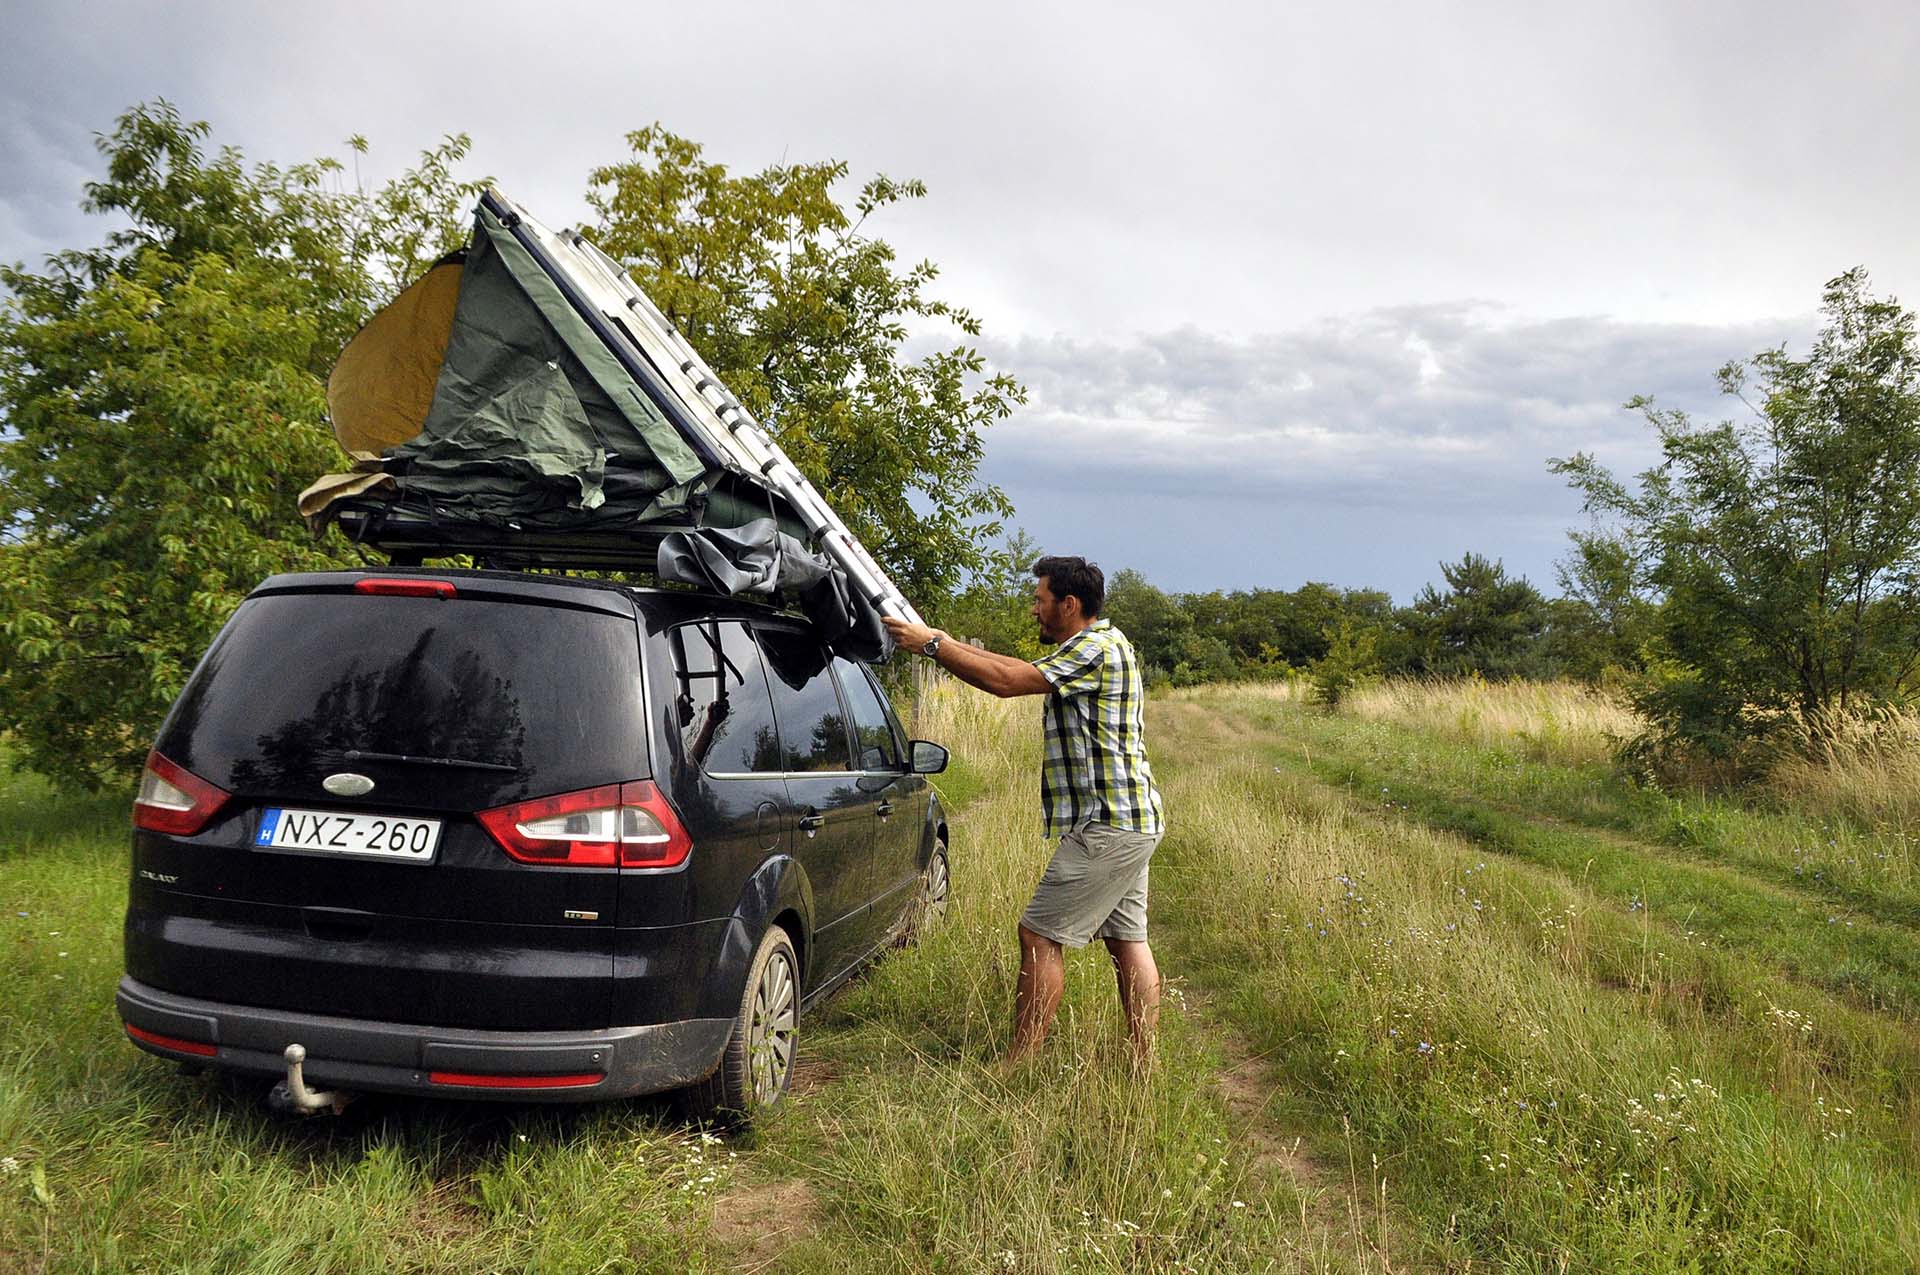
x: 720, y: 701
x: 813, y: 729
x: 874, y: 745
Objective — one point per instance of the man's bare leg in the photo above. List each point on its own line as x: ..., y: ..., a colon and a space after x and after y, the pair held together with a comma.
x: 1139, y: 980
x: 1037, y: 996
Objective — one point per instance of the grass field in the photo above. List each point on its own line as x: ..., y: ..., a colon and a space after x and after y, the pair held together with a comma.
x: 1446, y: 995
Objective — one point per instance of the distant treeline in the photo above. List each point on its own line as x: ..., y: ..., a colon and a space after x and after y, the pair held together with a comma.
x: 1482, y: 622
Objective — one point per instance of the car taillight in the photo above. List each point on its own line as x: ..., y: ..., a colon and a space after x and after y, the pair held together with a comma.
x: 174, y: 800
x: 650, y: 833
x: 627, y: 825
x: 406, y: 588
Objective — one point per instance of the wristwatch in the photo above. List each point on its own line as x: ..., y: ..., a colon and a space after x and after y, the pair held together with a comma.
x: 931, y: 647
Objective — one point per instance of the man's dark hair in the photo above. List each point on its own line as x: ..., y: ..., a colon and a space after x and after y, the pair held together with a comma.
x: 1074, y: 578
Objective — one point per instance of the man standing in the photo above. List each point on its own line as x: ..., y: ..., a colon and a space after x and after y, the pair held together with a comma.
x: 1096, y: 793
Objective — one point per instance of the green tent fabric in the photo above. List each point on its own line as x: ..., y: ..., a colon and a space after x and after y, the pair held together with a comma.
x: 533, y: 421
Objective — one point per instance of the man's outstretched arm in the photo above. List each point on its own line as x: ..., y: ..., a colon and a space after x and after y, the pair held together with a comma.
x: 1002, y: 675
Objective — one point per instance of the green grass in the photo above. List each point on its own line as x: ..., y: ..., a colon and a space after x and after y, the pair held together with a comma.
x: 1513, y: 1014
x: 1548, y: 1074
x: 1716, y: 871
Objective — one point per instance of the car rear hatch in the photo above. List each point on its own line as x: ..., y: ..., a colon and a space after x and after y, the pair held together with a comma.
x: 367, y: 730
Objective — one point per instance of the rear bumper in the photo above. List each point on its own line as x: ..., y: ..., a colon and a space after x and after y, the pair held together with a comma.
x: 359, y: 1054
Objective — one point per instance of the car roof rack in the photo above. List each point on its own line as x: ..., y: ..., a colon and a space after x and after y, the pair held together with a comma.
x: 411, y: 538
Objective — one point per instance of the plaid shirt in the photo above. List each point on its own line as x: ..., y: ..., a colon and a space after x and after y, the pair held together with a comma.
x: 1095, y: 769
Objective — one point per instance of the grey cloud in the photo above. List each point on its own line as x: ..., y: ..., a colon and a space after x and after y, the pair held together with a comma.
x: 1102, y: 170
x: 1436, y: 418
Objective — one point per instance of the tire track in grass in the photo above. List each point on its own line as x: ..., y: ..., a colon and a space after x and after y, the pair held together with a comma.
x: 1339, y: 1223
x: 1546, y: 784
x: 1873, y: 965
x: 1833, y: 997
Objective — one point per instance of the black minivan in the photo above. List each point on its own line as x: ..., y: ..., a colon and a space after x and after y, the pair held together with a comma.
x: 498, y: 835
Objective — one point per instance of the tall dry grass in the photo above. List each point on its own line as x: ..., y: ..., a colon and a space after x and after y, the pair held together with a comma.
x: 1869, y: 773
x: 1565, y: 722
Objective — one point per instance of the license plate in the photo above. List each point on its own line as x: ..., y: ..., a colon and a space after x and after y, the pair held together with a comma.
x: 354, y: 836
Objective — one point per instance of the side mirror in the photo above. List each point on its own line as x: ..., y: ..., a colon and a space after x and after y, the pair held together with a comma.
x: 926, y: 758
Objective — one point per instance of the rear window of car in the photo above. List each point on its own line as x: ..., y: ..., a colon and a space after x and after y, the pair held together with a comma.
x: 545, y: 698
x: 720, y: 701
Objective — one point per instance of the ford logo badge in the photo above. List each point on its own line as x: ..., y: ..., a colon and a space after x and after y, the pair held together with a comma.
x: 347, y: 784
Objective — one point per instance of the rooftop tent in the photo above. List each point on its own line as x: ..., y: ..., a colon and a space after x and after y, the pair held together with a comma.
x: 524, y: 402
x: 492, y: 401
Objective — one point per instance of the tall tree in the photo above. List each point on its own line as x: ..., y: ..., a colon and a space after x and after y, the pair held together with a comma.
x: 164, y: 404
x: 1785, y: 546
x: 806, y: 317
x: 1486, y: 622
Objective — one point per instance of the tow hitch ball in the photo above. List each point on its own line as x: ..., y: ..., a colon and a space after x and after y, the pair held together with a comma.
x: 293, y: 1095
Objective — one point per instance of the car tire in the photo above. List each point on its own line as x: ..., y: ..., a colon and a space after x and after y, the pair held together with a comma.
x: 930, y: 904
x: 757, y: 1065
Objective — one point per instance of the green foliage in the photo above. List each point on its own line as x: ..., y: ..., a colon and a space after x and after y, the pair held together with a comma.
x: 1202, y: 658
x: 1484, y: 623
x: 1785, y: 548
x: 165, y: 404
x: 1258, y: 634
x: 805, y: 318
x: 1156, y: 624
x: 996, y: 607
x: 1351, y: 661
x: 1607, y: 618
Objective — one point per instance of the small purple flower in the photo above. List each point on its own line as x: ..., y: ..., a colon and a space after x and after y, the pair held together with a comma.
x: 1425, y: 1048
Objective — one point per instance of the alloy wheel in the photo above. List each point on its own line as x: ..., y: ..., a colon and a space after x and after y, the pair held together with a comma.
x: 770, y: 1034
x: 935, y: 887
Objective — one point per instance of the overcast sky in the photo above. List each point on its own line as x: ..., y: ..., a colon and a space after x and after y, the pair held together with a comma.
x: 1303, y: 292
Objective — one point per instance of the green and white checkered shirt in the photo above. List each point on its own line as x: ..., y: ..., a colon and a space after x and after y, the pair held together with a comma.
x: 1095, y: 768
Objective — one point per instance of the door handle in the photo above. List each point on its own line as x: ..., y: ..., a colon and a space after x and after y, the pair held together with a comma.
x: 884, y: 809
x: 811, y: 823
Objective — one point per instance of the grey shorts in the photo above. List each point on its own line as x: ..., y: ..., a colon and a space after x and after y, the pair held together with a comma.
x: 1094, y: 888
